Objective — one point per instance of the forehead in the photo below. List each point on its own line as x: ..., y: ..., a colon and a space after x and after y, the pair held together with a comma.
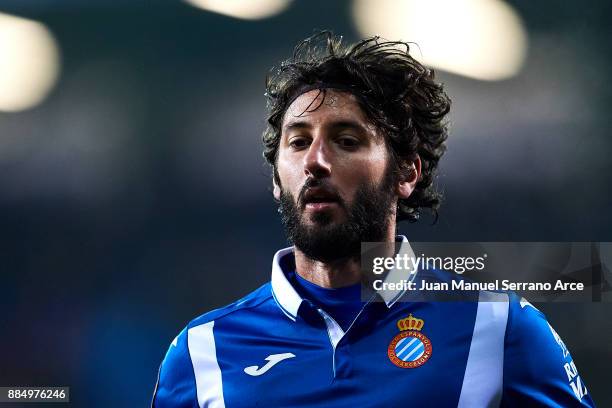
x: 325, y: 104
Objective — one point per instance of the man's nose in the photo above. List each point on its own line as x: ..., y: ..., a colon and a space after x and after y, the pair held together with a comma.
x: 317, y: 160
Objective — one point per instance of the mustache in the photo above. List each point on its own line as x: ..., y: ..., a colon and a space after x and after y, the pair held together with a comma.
x: 323, y: 187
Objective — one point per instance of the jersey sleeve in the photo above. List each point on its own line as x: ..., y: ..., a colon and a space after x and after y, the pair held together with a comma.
x: 538, y: 368
x: 176, y: 386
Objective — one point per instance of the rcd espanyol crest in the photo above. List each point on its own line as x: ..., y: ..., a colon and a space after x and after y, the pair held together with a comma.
x: 410, y: 348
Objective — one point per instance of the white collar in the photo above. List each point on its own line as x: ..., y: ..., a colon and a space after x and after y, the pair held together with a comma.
x: 289, y: 300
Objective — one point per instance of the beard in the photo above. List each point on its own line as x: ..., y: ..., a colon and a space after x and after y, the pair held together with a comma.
x: 367, y: 220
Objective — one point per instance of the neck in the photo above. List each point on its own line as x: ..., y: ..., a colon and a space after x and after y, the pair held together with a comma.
x: 335, y: 274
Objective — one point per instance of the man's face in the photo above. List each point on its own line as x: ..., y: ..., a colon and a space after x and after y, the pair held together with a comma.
x: 336, y: 186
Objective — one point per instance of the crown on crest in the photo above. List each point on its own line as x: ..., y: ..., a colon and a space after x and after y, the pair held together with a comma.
x: 410, y: 323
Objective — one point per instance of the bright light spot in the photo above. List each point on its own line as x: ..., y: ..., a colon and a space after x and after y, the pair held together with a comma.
x: 29, y: 63
x: 244, y: 9
x: 481, y: 39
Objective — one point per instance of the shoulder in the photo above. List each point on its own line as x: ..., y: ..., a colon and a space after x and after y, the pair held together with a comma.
x: 538, y: 366
x: 252, y: 300
x: 204, y: 323
x: 529, y: 335
x: 176, y: 385
x: 528, y: 326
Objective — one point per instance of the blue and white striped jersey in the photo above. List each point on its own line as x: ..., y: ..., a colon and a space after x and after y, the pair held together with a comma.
x: 275, y: 349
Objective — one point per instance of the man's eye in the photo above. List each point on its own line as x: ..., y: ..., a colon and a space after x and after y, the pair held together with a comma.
x: 348, y: 142
x: 298, y: 142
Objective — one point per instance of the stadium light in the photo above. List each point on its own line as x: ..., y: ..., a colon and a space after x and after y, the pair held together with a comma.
x: 29, y: 63
x: 243, y: 9
x: 480, y: 39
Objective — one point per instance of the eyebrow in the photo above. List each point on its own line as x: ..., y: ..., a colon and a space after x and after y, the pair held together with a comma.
x: 336, y: 125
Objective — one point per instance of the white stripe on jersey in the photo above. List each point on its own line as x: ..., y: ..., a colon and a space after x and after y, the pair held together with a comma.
x: 483, y: 380
x: 201, y: 343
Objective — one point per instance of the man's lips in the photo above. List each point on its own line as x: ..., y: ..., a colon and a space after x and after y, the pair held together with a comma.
x: 320, y: 206
x: 318, y: 199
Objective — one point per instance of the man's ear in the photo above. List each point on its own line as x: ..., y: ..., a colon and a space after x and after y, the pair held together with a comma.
x: 409, y: 177
x: 276, y: 191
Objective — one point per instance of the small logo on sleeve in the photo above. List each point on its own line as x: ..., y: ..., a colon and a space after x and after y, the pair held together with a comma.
x: 410, y: 348
x: 272, y: 360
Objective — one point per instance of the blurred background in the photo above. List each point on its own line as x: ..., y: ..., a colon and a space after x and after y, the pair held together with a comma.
x: 134, y: 196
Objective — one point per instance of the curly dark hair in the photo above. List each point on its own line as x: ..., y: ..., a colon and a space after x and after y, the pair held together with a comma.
x: 397, y: 93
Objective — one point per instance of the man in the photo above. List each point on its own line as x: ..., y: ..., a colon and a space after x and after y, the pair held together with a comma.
x: 354, y: 138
